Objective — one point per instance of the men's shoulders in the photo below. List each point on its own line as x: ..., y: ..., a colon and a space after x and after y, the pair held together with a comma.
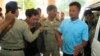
x: 21, y: 23
x: 65, y: 21
x: 45, y: 22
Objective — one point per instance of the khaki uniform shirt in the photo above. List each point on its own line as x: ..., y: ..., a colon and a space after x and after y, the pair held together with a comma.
x: 13, y: 39
x: 50, y: 38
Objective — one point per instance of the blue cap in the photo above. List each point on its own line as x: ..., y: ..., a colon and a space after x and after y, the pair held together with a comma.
x: 12, y: 5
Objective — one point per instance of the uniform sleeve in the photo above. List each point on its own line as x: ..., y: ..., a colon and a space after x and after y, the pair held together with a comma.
x: 85, y: 33
x: 28, y: 34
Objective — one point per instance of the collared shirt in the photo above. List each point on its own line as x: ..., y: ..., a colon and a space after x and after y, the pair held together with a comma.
x: 13, y: 39
x: 73, y: 33
x: 50, y: 38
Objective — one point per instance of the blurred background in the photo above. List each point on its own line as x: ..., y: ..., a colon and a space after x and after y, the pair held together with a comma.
x: 62, y: 5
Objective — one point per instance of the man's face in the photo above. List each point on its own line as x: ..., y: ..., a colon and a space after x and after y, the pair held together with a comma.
x: 17, y: 13
x: 52, y: 13
x: 62, y: 15
x: 89, y: 18
x: 73, y: 12
x: 33, y: 19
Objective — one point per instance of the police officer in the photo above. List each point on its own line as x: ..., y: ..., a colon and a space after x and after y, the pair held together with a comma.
x: 91, y: 22
x: 12, y: 42
x: 9, y: 19
x: 50, y: 39
x: 62, y: 15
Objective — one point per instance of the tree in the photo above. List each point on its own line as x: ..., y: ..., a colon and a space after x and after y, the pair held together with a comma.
x: 26, y: 4
x: 64, y: 4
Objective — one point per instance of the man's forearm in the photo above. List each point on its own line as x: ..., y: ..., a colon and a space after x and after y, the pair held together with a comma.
x: 79, y: 47
x: 84, y: 43
x: 58, y: 35
x: 4, y: 25
x: 31, y: 37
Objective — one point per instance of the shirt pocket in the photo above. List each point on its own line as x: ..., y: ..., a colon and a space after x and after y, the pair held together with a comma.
x: 77, y: 37
x: 76, y: 34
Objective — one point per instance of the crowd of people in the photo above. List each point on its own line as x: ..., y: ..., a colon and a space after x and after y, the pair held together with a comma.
x: 37, y: 34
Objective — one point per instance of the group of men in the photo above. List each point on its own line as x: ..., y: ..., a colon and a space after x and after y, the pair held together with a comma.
x: 33, y: 37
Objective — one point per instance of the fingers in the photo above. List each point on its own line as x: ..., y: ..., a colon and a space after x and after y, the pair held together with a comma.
x: 41, y: 29
x: 9, y: 17
x: 76, y: 53
x: 77, y: 50
x: 8, y: 12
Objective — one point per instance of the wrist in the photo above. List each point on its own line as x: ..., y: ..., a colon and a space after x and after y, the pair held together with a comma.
x: 81, y: 46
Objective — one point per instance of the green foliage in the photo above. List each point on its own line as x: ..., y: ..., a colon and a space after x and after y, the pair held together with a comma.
x: 26, y: 4
x: 82, y: 2
x: 20, y: 3
x: 64, y: 4
x: 29, y: 4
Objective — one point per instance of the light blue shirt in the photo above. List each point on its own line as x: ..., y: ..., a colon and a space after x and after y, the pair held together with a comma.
x: 73, y: 33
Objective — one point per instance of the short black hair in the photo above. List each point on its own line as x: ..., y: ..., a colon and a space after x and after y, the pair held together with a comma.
x: 51, y: 7
x: 88, y: 12
x: 39, y: 9
x: 62, y: 12
x: 76, y: 4
x: 30, y: 12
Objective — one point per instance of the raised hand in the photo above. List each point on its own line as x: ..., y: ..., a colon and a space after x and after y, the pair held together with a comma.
x: 9, y: 17
x: 41, y: 28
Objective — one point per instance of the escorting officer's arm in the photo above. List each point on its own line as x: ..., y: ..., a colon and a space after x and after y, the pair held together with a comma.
x: 9, y: 19
x: 28, y: 34
x: 4, y: 25
x: 58, y: 34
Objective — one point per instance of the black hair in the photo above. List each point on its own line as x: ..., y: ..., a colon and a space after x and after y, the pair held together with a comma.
x: 51, y: 7
x: 0, y: 9
x: 62, y: 12
x: 30, y: 12
x: 88, y: 12
x: 76, y: 4
x: 39, y: 9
